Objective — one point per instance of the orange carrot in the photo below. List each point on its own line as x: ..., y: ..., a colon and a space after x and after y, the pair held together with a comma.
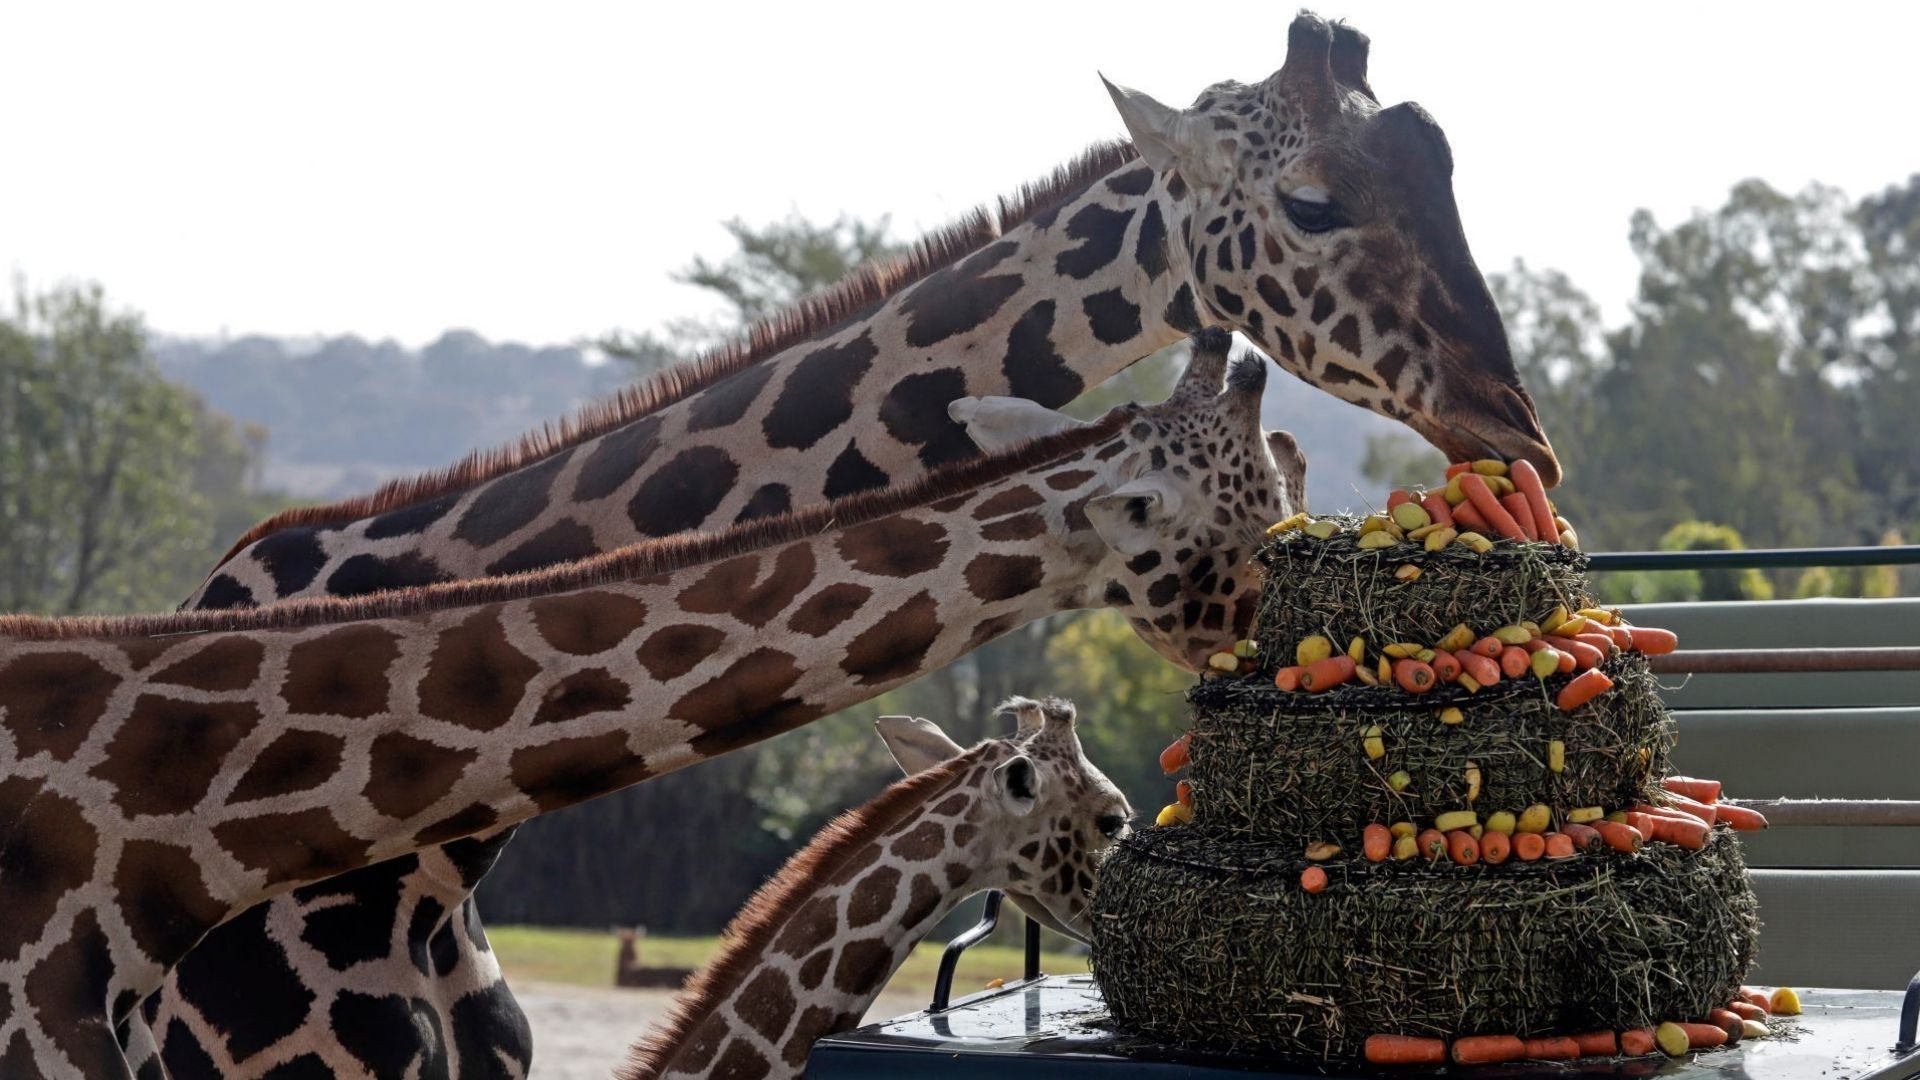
x: 1489, y: 647
x: 1703, y: 1036
x: 1551, y: 1048
x: 1514, y: 661
x: 1435, y: 504
x: 1446, y: 666
x: 1183, y: 793
x: 1598, y: 1044
x: 1707, y: 812
x: 1728, y: 1021
x: 1376, y: 841
x: 1637, y: 1042
x: 1584, y: 688
x: 1757, y: 999
x: 1706, y: 791
x: 1405, y: 1050
x: 1559, y: 846
x: 1322, y: 675
x: 1600, y: 640
x: 1487, y: 1049
x: 1622, y: 637
x: 1462, y: 848
x: 1584, y: 837
x: 1413, y: 676
x: 1433, y: 844
x: 1288, y: 678
x: 1458, y: 467
x: 1522, y: 514
x: 1620, y: 836
x: 1653, y: 641
x: 1584, y: 655
x: 1484, y: 671
x: 1688, y: 833
x: 1174, y: 757
x: 1742, y: 818
x: 1313, y: 879
x: 1746, y: 1010
x: 1642, y: 822
x: 1526, y: 480
x: 1495, y: 847
x: 1482, y: 498
x: 1398, y: 496
x: 1466, y: 515
x: 1529, y: 846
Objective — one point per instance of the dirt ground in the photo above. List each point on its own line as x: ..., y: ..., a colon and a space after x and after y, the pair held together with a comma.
x: 581, y: 1033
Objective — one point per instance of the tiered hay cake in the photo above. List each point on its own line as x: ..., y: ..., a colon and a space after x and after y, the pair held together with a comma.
x: 1206, y: 935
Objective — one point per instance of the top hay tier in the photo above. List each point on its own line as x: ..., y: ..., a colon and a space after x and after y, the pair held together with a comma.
x: 1335, y: 587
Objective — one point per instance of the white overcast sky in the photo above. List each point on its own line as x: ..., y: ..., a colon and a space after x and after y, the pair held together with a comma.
x: 536, y: 171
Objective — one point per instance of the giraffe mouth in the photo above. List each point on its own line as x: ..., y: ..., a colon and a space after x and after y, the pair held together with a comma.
x: 1038, y: 912
x: 1461, y: 442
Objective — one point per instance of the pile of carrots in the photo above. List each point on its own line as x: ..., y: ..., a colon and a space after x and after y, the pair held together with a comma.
x: 1743, y: 1018
x: 1481, y: 501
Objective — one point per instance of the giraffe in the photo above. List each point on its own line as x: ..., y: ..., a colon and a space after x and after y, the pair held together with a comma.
x: 1295, y: 210
x: 815, y: 945
x: 159, y: 775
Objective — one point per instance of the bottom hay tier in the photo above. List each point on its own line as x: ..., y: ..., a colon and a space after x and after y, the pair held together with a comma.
x: 1210, y: 942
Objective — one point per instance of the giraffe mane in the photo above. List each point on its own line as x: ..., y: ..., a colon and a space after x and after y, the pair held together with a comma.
x: 622, y: 564
x: 865, y: 286
x: 752, y: 930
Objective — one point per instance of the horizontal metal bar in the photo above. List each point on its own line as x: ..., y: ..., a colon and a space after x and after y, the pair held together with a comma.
x: 1887, y: 555
x: 1778, y: 661
x: 1835, y: 811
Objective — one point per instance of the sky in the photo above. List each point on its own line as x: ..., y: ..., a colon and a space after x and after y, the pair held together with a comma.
x: 537, y: 172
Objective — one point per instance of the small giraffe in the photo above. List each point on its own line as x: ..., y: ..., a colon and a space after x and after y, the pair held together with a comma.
x: 159, y: 775
x: 816, y: 944
x: 1295, y: 210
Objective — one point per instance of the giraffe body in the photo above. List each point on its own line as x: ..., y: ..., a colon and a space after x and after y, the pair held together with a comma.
x: 161, y: 775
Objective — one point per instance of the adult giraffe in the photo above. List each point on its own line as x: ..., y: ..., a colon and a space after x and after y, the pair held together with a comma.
x: 1295, y: 209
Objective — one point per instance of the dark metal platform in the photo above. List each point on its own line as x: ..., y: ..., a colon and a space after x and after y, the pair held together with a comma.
x: 1054, y: 1026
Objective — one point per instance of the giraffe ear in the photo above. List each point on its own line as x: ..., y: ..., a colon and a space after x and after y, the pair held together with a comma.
x: 999, y: 423
x: 1132, y: 518
x: 917, y: 745
x: 1018, y: 783
x: 1164, y: 136
x: 1292, y: 463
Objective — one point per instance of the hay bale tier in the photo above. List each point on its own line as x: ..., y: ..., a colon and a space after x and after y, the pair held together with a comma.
x: 1221, y: 934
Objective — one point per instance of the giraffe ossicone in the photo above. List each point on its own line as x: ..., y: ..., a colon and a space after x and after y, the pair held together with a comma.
x: 811, y: 950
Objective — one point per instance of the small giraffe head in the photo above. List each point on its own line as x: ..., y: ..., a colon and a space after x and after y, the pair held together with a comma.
x: 1181, y: 510
x: 1044, y: 812
x: 1324, y: 227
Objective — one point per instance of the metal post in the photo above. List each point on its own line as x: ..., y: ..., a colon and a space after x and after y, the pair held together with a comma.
x: 950, y: 958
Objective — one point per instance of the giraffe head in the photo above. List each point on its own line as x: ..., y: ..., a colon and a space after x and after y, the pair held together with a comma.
x: 1324, y: 227
x: 1042, y: 814
x: 1182, y: 508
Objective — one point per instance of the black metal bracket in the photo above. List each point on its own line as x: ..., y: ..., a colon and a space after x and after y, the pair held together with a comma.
x: 1909, y: 1019
x: 974, y: 935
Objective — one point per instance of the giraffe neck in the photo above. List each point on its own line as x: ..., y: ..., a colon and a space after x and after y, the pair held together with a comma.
x: 815, y: 946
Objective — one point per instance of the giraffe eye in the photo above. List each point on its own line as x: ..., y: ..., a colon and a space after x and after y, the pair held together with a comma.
x: 1310, y: 216
x: 1110, y: 825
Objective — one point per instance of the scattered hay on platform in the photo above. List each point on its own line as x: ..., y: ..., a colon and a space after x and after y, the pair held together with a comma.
x: 1334, y: 587
x: 1204, y: 942
x: 1273, y: 763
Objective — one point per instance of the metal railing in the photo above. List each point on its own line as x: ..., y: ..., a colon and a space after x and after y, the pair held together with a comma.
x: 1757, y: 558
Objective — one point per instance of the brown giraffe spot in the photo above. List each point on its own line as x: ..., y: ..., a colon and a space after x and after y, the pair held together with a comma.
x: 586, y: 623
x: 989, y: 629
x: 921, y: 843
x: 163, y: 759
x: 959, y: 298
x: 1068, y: 479
x: 952, y: 804
x: 231, y: 662
x: 296, y: 846
x: 582, y: 693
x: 817, y: 396
x: 566, y: 771
x: 341, y: 673
x: 734, y: 587
x: 701, y: 1049
x: 475, y: 818
x: 856, y: 864
x: 53, y: 701
x: 48, y: 853
x: 963, y: 834
x: 958, y: 874
x: 1033, y: 366
x: 863, y: 965
x: 872, y: 896
x: 68, y: 989
x: 674, y: 650
x: 894, y: 546
x: 408, y: 774
x: 815, y: 1024
x: 813, y: 924
x: 815, y: 969
x: 680, y: 494
x: 741, y: 1061
x: 563, y: 541
x: 894, y: 647
x: 745, y: 703
x: 294, y: 761
x: 1010, y: 501
x: 828, y: 608
x: 18, y: 1059
x: 766, y: 1003
x: 166, y: 904
x: 915, y: 412
x: 476, y: 677
x: 1003, y: 577
x: 615, y: 457
x: 923, y: 898
x: 1019, y: 527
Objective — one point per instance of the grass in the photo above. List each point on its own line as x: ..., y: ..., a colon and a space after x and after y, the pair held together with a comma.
x: 586, y: 958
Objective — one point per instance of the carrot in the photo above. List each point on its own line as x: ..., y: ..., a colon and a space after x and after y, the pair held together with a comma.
x: 1703, y: 1036
x: 1484, y: 671
x: 1487, y: 1049
x: 1622, y: 637
x: 1744, y: 819
x: 1620, y: 836
x: 1600, y: 640
x: 1398, y: 496
x: 1584, y: 837
x: 1526, y: 479
x: 1446, y: 666
x: 1522, y: 514
x: 1653, y: 641
x: 1175, y: 756
x: 1598, y: 1044
x: 1413, y: 676
x: 1458, y: 467
x: 1482, y: 498
x: 1559, y: 846
x: 1746, y: 1010
x: 1288, y: 678
x: 1515, y: 661
x: 1465, y: 514
x: 1489, y: 647
x: 1529, y: 846
x: 1405, y: 1050
x: 1327, y: 673
x: 1728, y: 1021
x: 1637, y: 1042
x: 1551, y: 1048
x: 1433, y: 844
x: 1584, y: 688
x: 1584, y: 655
x: 1313, y: 879
x: 1641, y: 822
x: 1462, y: 848
x: 1495, y: 847
x: 1757, y: 999
x: 1376, y: 841
x: 1707, y: 812
x: 1706, y: 791
x: 1435, y: 504
x: 1688, y: 833
x: 1183, y: 793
